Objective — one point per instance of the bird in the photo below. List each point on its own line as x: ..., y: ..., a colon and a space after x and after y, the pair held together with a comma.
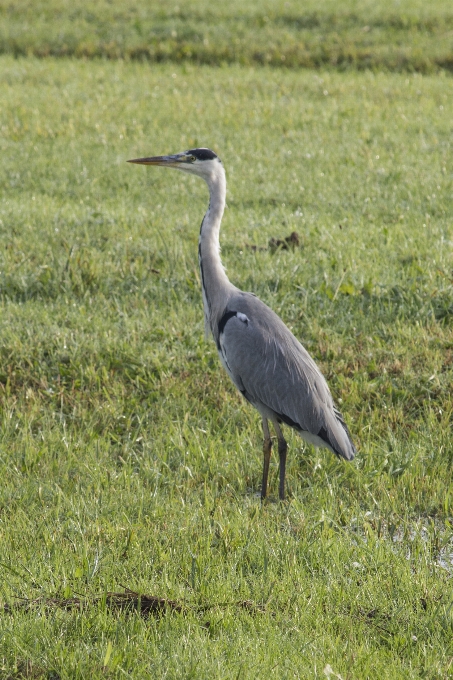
x: 265, y: 361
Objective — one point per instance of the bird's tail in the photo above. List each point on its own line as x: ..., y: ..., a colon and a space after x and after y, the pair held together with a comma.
x: 340, y: 437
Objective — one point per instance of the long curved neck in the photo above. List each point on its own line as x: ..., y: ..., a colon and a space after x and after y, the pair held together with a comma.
x: 216, y: 287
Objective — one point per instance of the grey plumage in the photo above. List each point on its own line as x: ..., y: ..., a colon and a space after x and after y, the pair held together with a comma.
x: 268, y: 365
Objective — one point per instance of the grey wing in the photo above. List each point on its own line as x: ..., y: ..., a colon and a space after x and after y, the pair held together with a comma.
x: 277, y: 375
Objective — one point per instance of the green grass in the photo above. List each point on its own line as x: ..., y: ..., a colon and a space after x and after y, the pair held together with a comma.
x: 408, y: 35
x: 126, y: 456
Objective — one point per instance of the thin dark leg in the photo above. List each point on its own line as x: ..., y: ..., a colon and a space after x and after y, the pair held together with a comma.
x: 282, y: 449
x: 267, y: 448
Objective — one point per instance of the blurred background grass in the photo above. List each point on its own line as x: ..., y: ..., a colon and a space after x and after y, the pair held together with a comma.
x: 394, y: 35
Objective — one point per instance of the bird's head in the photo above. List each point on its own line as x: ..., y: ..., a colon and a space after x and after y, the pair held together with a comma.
x: 202, y: 162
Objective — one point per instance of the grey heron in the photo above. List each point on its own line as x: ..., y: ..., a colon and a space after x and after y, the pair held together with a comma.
x: 268, y: 365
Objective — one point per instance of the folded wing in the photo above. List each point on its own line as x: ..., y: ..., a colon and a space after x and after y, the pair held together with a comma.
x: 277, y: 375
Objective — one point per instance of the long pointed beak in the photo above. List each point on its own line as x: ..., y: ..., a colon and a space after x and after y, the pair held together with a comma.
x: 159, y: 160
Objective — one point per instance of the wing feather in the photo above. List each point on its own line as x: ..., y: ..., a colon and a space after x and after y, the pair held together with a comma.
x: 276, y: 372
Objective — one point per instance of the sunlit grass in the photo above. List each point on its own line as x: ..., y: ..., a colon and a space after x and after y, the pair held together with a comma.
x: 126, y: 455
x: 399, y: 36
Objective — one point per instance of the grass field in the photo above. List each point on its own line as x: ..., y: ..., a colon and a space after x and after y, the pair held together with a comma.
x: 127, y: 458
x: 401, y: 35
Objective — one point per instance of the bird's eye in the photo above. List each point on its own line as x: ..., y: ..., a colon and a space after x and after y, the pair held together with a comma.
x: 192, y: 159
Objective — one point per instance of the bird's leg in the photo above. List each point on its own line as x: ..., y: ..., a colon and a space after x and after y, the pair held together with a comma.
x: 282, y: 449
x: 267, y: 448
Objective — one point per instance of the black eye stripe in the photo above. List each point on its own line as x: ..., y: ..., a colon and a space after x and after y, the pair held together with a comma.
x: 202, y: 154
